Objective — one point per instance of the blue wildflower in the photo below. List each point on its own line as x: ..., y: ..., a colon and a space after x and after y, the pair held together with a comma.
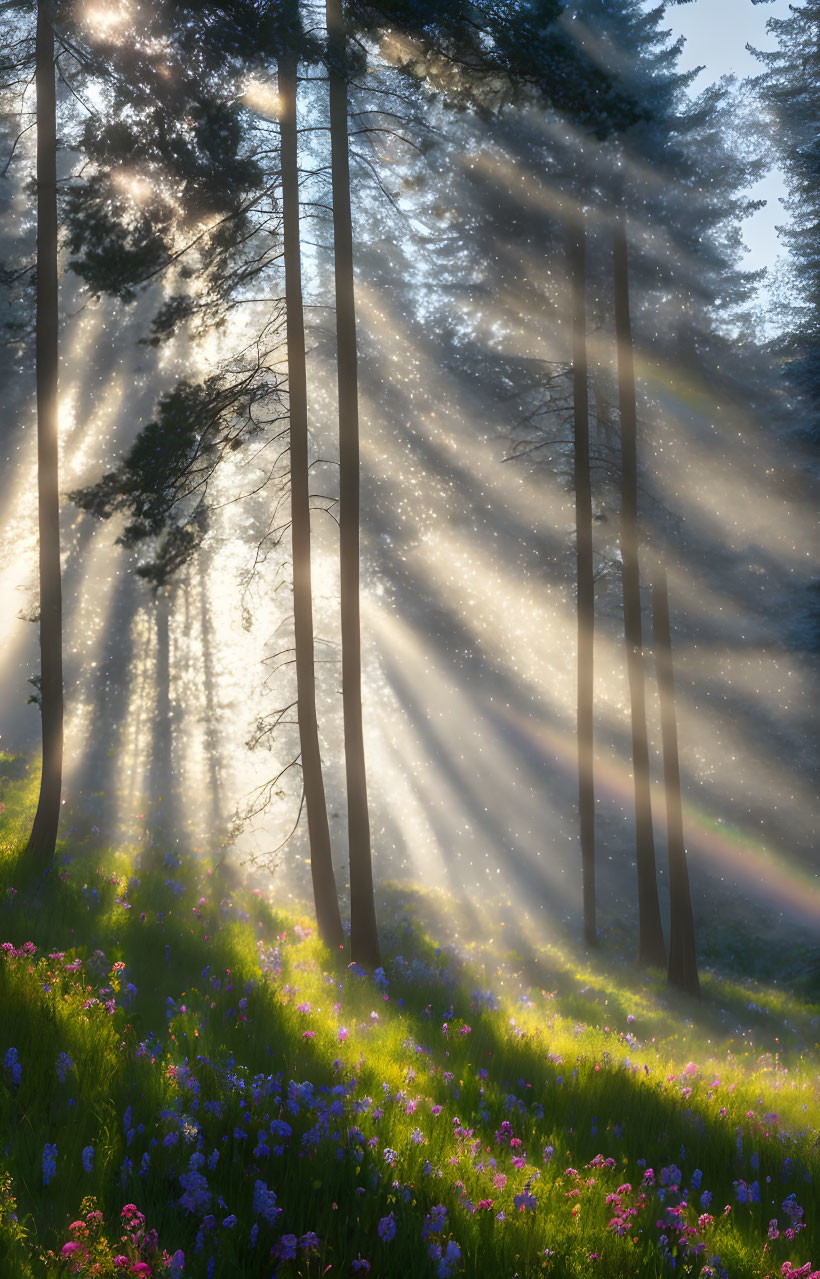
x: 264, y: 1202
x: 49, y: 1162
x: 63, y: 1065
x: 386, y: 1228
x: 11, y: 1061
x: 88, y: 1158
x: 197, y: 1196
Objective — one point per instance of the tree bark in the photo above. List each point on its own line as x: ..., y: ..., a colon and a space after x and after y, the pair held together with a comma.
x: 585, y: 577
x: 44, y: 831
x: 683, y: 966
x: 364, y: 938
x: 651, y: 948
x: 328, y: 916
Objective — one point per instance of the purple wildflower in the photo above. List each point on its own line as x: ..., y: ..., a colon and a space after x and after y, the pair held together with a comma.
x: 285, y: 1249
x: 387, y: 1228
x: 63, y: 1065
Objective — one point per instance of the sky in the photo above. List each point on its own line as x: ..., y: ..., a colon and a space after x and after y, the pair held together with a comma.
x: 717, y: 32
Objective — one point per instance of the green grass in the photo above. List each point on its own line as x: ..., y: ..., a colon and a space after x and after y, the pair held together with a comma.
x: 565, y: 1089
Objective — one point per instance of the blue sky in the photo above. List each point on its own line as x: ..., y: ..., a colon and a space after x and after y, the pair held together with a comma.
x: 717, y: 32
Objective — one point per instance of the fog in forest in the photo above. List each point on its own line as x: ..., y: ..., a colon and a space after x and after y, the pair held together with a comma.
x: 180, y: 699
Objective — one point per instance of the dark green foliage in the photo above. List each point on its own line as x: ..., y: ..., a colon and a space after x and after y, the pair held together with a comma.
x: 234, y: 30
x: 156, y: 174
x: 788, y: 86
x: 517, y: 47
x: 114, y: 245
x: 162, y: 484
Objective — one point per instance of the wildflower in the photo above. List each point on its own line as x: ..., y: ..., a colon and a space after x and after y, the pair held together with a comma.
x: 177, y: 1264
x: 63, y: 1065
x: 309, y: 1240
x: 446, y: 1258
x: 792, y: 1208
x: 435, y: 1221
x: 285, y: 1249
x: 70, y: 1248
x: 386, y: 1228
x: 390, y: 1156
x: 11, y: 1062
x: 49, y: 1162
x: 197, y: 1196
x: 264, y: 1202
x: 524, y: 1200
x: 361, y: 1264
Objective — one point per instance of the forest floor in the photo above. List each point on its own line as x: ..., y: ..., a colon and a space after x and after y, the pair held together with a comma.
x: 191, y: 1084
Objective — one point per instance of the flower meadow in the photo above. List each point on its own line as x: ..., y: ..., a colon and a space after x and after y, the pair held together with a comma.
x: 192, y: 1086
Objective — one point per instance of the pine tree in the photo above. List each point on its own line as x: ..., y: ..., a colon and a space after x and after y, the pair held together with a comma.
x: 44, y: 831
x: 651, y: 948
x: 324, y: 884
x: 788, y: 87
x: 163, y: 483
x: 584, y: 570
x: 364, y: 939
x: 683, y: 968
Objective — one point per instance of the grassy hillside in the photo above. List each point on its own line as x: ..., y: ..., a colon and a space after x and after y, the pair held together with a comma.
x: 190, y: 1084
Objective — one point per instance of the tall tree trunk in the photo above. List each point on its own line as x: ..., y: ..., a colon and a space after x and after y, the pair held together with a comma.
x: 585, y: 578
x: 683, y: 966
x: 364, y: 938
x: 651, y: 949
x: 328, y: 916
x: 44, y: 831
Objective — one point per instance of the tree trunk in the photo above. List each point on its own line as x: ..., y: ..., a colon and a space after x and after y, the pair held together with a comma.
x: 651, y: 949
x: 585, y: 578
x: 683, y: 967
x: 364, y: 938
x: 325, y: 897
x: 44, y: 831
